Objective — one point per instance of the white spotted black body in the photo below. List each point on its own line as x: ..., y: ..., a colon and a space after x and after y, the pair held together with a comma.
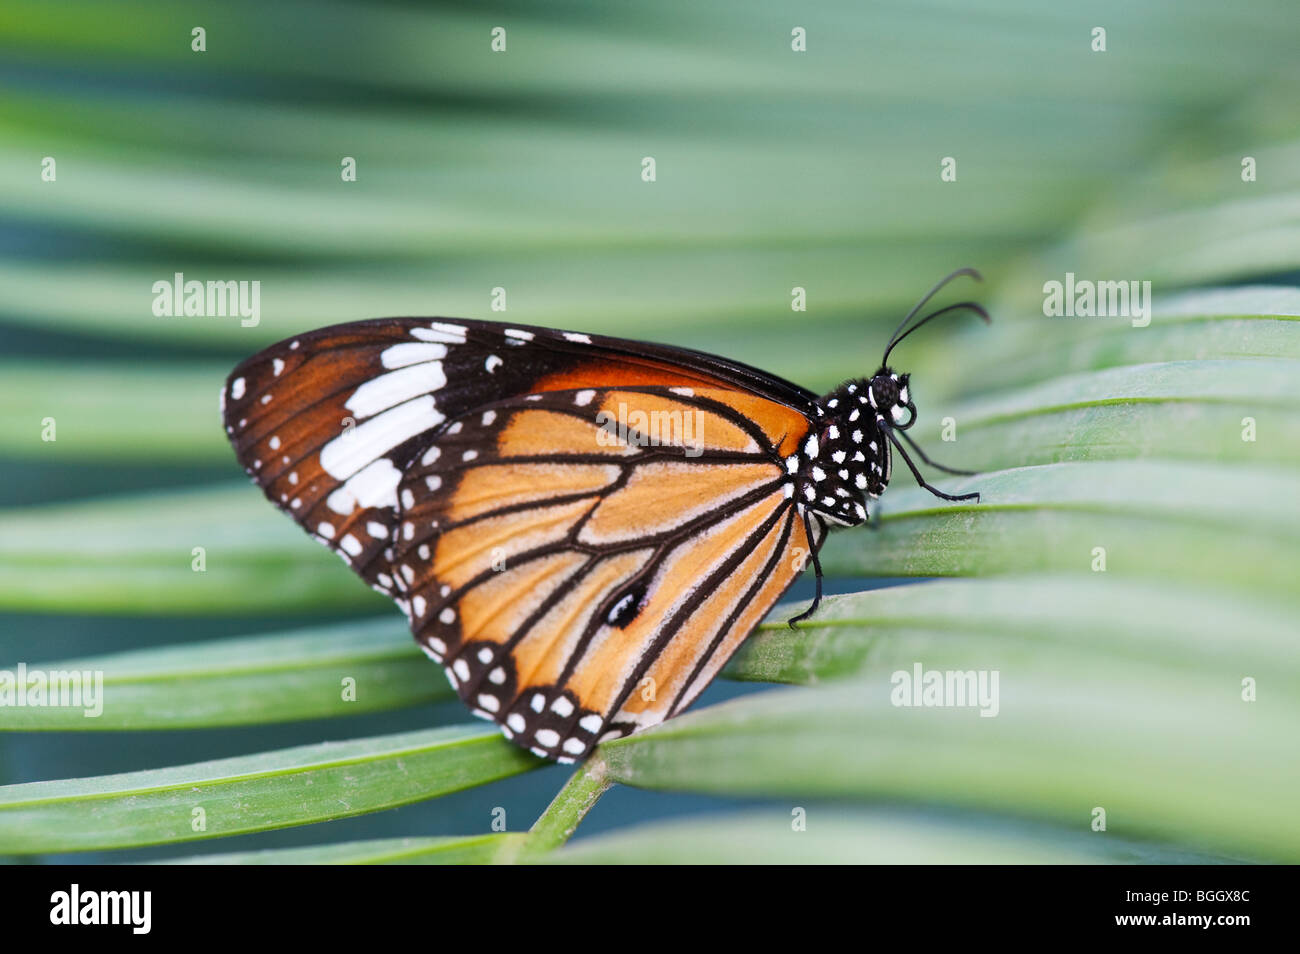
x: 846, y: 462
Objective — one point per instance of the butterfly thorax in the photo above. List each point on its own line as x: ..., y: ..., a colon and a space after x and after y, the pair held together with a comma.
x: 845, y: 458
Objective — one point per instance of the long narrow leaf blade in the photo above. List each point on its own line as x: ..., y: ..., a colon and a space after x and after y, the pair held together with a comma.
x: 296, y: 786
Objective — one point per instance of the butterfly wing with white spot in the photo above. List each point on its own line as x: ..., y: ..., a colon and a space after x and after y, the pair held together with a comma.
x: 324, y: 423
x: 327, y: 422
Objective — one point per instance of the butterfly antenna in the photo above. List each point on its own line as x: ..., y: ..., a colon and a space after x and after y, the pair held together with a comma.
x: 960, y: 306
x: 896, y: 336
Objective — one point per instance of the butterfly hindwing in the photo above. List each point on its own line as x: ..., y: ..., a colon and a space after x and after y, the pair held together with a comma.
x: 554, y: 563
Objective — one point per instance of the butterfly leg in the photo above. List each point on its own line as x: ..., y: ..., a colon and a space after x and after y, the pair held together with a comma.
x: 921, y: 480
x: 814, y: 546
x: 937, y: 466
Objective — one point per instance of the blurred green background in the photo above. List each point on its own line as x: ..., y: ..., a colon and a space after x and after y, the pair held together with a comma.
x: 774, y: 169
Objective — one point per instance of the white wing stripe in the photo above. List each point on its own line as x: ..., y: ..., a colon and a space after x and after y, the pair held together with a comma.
x: 401, y: 355
x: 439, y: 331
x: 395, y: 387
x: 360, y: 446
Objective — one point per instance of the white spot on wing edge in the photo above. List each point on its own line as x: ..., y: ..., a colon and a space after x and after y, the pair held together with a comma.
x: 237, y: 388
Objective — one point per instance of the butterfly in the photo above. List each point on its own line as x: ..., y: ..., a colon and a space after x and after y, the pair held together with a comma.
x: 580, y: 529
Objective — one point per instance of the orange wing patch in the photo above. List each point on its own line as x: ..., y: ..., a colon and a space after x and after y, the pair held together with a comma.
x: 781, y: 558
x: 498, y: 608
x: 608, y: 664
x: 541, y: 433
x: 484, y: 489
x: 667, y: 677
x: 658, y: 420
x: 661, y: 495
x: 628, y: 372
x: 475, y: 549
x: 784, y: 427
x: 542, y: 656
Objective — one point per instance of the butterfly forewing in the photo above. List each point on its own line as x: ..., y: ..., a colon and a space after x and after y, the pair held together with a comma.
x: 323, y: 423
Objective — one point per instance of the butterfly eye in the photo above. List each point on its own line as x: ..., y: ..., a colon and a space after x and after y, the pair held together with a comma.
x: 884, y: 391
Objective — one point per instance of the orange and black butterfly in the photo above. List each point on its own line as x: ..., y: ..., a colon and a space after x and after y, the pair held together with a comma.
x: 581, y: 529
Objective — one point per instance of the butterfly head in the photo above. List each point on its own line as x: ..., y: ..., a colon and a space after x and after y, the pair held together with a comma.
x: 888, y: 389
x: 891, y: 397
